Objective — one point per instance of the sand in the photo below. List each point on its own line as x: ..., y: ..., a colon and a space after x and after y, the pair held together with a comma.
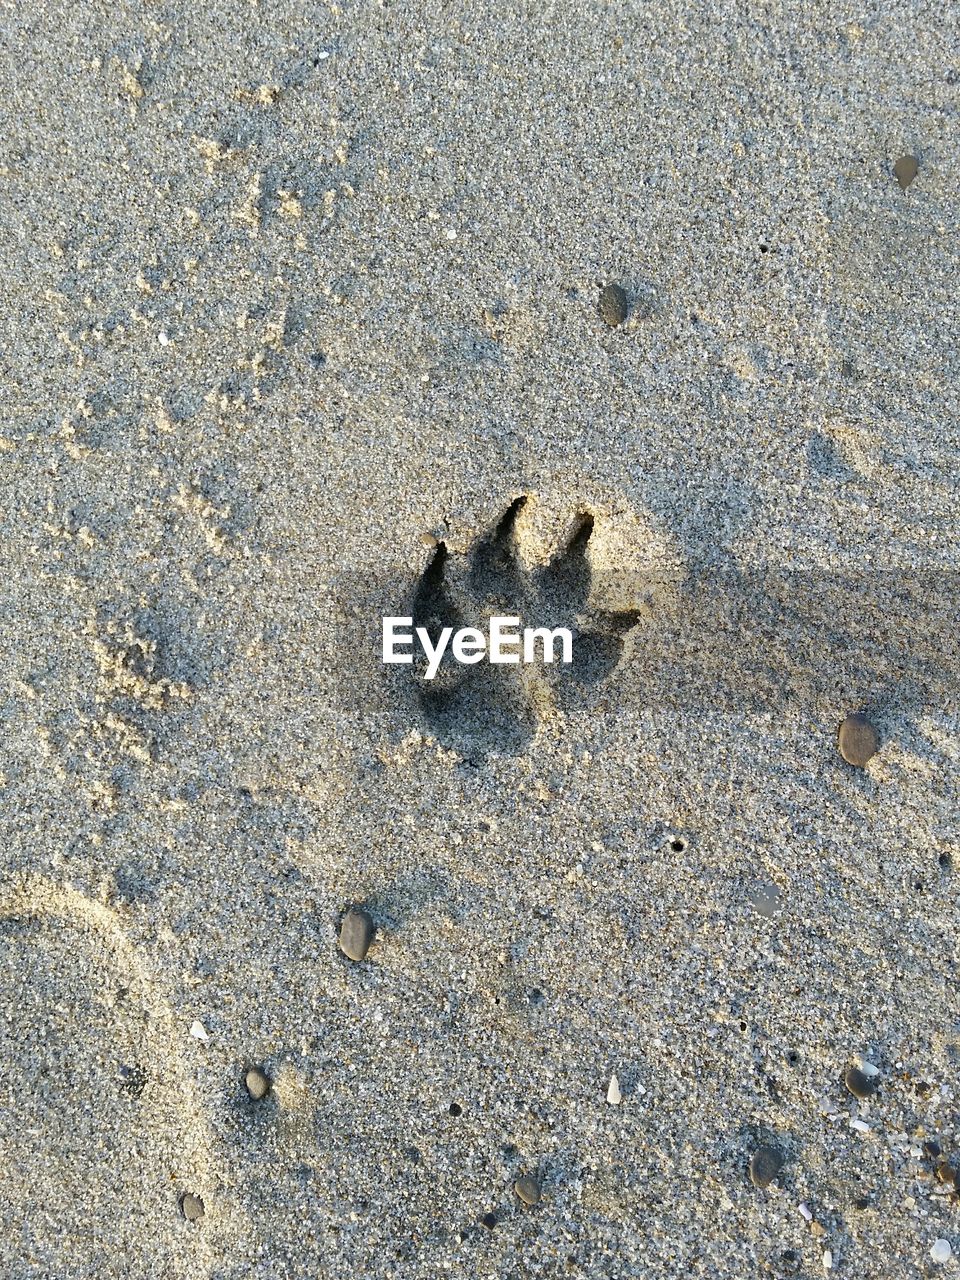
x: 292, y: 294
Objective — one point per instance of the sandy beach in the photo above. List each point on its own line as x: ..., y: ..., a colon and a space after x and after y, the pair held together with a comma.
x: 637, y: 320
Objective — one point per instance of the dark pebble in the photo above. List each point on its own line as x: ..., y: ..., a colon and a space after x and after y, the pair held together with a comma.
x: 489, y: 1220
x: 356, y: 933
x: 857, y: 740
x: 613, y: 305
x: 946, y: 1173
x: 932, y: 1150
x: 859, y: 1083
x: 765, y: 1164
x: 133, y: 1081
x: 257, y: 1083
x: 191, y: 1207
x: 905, y: 170
x: 528, y: 1189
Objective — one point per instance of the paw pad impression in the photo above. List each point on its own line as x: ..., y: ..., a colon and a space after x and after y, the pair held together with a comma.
x: 482, y: 707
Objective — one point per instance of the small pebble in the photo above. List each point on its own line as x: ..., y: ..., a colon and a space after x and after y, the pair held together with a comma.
x: 946, y: 1173
x: 857, y: 740
x: 191, y: 1207
x: 905, y: 170
x: 859, y: 1083
x: 527, y: 1189
x: 941, y: 1251
x: 356, y: 933
x: 827, y: 1260
x: 257, y: 1083
x: 613, y: 305
x: 861, y: 1126
x: 133, y: 1081
x: 199, y: 1031
x: 614, y: 1096
x: 765, y: 1164
x: 789, y: 1262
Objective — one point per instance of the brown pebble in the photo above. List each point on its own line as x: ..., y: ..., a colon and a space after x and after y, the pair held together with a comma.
x: 257, y: 1083
x: 613, y: 306
x: 859, y: 1083
x: 191, y: 1207
x: 905, y: 170
x: 946, y: 1173
x: 356, y: 933
x: 765, y: 1164
x: 527, y: 1189
x: 857, y: 740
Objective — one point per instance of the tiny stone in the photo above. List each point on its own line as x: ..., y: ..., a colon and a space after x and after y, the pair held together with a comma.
x: 133, y: 1080
x: 191, y: 1207
x: 765, y: 1164
x: 905, y: 170
x: 356, y: 933
x: 827, y: 1260
x: 946, y: 1173
x: 613, y: 305
x: 257, y: 1083
x: 614, y: 1096
x: 489, y: 1220
x: 931, y: 1149
x: 857, y: 740
x: 858, y: 1082
x: 789, y: 1262
x: 527, y: 1188
x: 941, y: 1251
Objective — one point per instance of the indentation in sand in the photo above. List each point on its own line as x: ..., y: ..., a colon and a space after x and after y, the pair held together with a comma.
x: 90, y: 1159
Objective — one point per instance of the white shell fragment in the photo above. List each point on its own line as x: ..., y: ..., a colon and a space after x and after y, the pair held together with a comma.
x: 199, y: 1031
x: 614, y: 1096
x: 941, y: 1251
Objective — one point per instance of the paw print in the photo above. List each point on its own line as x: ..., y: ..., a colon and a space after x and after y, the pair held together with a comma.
x: 486, y: 708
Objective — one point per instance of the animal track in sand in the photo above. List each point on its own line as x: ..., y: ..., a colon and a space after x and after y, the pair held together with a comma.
x: 494, y: 708
x: 100, y: 1129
